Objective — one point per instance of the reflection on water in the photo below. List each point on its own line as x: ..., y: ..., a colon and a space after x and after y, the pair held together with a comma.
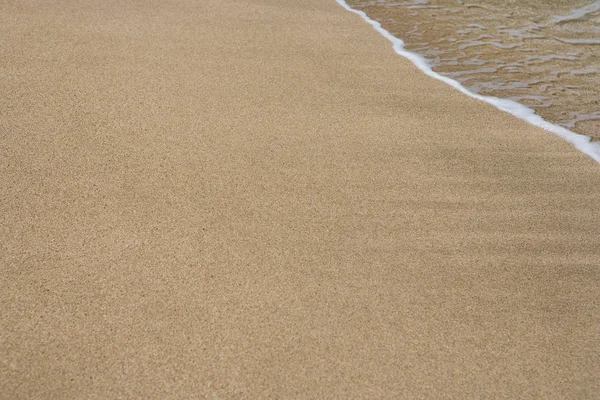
x: 545, y: 54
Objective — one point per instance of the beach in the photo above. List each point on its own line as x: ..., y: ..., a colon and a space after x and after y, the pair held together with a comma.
x: 261, y: 199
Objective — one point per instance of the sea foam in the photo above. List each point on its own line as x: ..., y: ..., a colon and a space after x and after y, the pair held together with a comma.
x: 581, y: 142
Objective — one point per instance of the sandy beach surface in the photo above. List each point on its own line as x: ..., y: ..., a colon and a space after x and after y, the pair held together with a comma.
x: 260, y: 199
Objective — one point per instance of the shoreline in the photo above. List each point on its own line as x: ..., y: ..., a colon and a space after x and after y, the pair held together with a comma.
x: 583, y: 143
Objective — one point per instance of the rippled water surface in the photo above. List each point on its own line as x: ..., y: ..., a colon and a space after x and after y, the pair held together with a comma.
x: 545, y: 54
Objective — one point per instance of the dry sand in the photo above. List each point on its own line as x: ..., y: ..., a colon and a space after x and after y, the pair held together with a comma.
x: 244, y: 199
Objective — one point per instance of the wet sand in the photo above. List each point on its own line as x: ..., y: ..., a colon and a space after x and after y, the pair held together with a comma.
x: 543, y: 54
x: 242, y: 199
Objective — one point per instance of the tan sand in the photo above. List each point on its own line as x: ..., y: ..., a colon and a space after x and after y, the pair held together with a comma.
x: 260, y: 199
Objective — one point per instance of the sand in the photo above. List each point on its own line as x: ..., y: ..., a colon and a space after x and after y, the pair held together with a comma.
x: 260, y: 199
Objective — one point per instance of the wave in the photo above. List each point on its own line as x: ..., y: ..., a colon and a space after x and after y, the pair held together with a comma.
x: 581, y: 142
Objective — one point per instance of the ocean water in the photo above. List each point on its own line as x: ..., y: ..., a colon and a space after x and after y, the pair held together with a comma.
x: 542, y: 54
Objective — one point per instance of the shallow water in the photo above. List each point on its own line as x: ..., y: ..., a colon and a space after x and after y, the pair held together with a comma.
x: 544, y: 54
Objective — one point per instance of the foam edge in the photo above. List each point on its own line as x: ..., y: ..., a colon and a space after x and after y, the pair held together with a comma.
x: 580, y: 142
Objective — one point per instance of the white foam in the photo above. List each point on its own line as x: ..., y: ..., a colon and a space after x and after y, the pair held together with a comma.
x: 579, y: 13
x: 581, y: 142
x: 578, y: 41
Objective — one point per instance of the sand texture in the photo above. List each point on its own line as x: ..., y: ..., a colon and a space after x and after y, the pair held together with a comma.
x: 260, y: 199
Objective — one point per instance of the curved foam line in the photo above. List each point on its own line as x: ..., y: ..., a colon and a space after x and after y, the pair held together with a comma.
x: 581, y: 142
